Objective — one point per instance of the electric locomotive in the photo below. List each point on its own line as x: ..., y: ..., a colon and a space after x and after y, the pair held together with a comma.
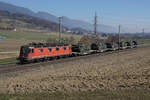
x: 35, y: 52
x: 43, y: 51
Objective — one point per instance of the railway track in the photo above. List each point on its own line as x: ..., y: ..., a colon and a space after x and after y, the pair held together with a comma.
x: 11, y: 68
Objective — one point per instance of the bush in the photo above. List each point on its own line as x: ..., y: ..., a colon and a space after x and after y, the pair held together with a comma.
x: 89, y: 39
x: 69, y: 40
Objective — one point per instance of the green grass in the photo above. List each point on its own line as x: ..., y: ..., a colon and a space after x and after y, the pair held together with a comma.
x: 8, y: 60
x: 35, y: 35
x: 26, y: 35
x: 144, y: 41
x: 96, y: 95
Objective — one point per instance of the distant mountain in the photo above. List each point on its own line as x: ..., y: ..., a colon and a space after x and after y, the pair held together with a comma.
x: 47, y: 16
x: 15, y: 9
x: 70, y: 23
x: 9, y: 20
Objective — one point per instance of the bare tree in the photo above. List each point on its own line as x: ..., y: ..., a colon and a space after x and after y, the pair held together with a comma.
x: 68, y: 40
x: 112, y: 38
x: 89, y: 39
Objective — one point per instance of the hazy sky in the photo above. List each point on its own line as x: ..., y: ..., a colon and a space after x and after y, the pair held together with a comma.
x: 129, y: 13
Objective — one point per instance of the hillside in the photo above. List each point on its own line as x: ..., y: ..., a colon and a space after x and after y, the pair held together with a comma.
x: 67, y: 22
x: 8, y: 19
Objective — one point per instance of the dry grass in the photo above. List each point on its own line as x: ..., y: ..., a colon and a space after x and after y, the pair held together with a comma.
x: 8, y: 55
x: 127, y: 70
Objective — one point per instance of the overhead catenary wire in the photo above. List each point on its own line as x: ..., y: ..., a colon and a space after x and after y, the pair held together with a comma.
x: 60, y: 27
x: 95, y: 24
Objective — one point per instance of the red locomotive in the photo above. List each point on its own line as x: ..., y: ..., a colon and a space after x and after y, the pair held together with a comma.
x: 47, y: 51
x: 43, y: 51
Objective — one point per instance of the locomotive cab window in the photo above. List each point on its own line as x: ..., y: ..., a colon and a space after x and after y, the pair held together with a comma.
x: 40, y: 50
x: 64, y: 48
x: 49, y: 49
x: 32, y: 50
x: 57, y: 49
x: 25, y: 50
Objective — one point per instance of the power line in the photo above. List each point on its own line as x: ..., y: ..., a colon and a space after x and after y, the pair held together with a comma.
x: 60, y: 28
x: 143, y: 30
x: 119, y: 29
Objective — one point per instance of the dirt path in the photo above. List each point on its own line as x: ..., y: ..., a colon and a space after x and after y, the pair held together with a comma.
x: 126, y: 70
x: 10, y: 54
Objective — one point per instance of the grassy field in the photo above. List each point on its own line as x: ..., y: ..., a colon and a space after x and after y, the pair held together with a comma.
x: 95, y: 95
x: 126, y: 78
x: 144, y: 41
x: 34, y: 35
x: 24, y: 35
x: 123, y: 72
x: 8, y: 60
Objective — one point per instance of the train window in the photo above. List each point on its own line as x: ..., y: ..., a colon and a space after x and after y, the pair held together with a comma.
x: 25, y: 50
x: 32, y: 50
x: 57, y: 49
x: 40, y: 50
x: 49, y: 49
x: 64, y: 48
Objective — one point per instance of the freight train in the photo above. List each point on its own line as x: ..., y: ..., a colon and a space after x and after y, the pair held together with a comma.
x: 37, y: 52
